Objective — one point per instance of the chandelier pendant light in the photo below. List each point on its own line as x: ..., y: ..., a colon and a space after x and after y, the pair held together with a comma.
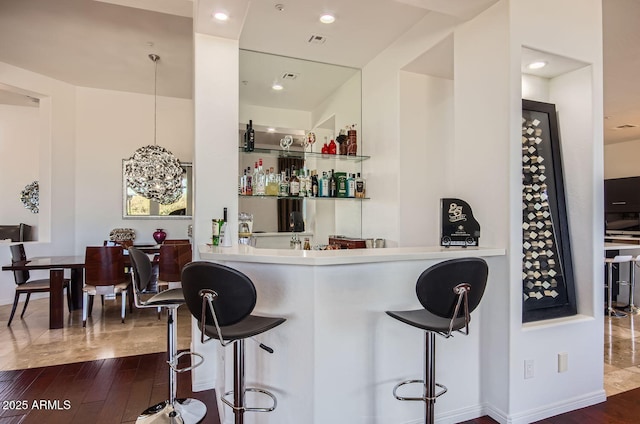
x: 153, y: 171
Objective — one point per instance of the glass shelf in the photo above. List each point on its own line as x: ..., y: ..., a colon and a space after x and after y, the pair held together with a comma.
x: 299, y: 197
x: 303, y: 155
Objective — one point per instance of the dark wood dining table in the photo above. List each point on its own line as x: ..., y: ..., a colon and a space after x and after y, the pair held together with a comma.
x: 56, y: 266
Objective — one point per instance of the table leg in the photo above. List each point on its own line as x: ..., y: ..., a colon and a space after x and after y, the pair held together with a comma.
x: 76, y: 288
x: 56, y: 299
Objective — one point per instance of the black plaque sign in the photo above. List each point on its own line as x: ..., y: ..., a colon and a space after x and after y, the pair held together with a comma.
x: 459, y: 227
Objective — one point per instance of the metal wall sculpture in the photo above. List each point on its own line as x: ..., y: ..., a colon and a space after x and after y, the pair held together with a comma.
x: 547, y: 268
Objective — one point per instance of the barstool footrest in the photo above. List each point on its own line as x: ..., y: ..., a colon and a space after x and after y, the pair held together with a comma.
x: 249, y: 409
x: 423, y: 398
x: 174, y: 362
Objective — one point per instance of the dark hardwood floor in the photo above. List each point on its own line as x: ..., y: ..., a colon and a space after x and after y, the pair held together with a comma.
x: 116, y: 390
x: 623, y: 408
x: 105, y: 391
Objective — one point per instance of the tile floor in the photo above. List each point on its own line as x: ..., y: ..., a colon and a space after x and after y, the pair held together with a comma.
x: 621, y: 354
x: 29, y: 343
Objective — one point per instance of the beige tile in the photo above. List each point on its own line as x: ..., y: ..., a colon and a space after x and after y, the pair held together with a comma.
x: 29, y: 343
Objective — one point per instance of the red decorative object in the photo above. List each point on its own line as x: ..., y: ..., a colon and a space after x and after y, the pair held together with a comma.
x: 159, y: 235
x: 333, y: 149
x: 325, y: 148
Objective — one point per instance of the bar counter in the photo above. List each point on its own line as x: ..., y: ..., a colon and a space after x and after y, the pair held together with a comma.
x: 338, y: 355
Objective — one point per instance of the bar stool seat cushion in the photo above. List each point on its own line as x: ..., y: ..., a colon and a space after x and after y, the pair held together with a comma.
x: 171, y: 297
x: 251, y: 326
x: 425, y: 320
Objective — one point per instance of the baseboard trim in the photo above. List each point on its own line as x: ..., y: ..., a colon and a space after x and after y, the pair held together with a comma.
x: 551, y: 410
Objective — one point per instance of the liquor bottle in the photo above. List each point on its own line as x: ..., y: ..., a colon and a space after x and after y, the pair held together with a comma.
x: 361, y: 187
x: 261, y: 184
x: 307, y: 245
x: 284, y: 185
x: 323, y: 185
x: 303, y: 183
x: 333, y: 192
x: 294, y: 184
x: 254, y: 179
x: 272, y: 183
x: 249, y: 182
x: 242, y: 184
x: 251, y: 139
x: 314, y: 184
x: 351, y: 185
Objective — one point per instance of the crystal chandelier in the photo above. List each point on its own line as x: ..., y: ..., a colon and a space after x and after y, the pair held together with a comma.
x: 30, y: 197
x: 153, y: 171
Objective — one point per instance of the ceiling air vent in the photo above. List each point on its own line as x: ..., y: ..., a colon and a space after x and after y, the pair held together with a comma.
x: 289, y: 76
x: 317, y: 39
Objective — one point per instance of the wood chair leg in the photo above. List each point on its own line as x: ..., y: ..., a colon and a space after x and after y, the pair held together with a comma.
x: 16, y: 298
x: 26, y: 302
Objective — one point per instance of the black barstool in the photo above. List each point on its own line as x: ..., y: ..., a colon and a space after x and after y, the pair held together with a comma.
x: 173, y: 410
x: 449, y: 292
x: 222, y: 299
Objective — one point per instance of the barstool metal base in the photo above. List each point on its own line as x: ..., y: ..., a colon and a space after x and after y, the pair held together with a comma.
x: 614, y: 313
x: 632, y: 309
x: 247, y: 408
x: 183, y: 411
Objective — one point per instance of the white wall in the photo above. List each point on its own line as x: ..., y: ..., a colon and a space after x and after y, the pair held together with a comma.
x: 619, y: 159
x: 427, y: 129
x: 486, y: 171
x: 385, y: 138
x: 19, y: 144
x: 111, y: 125
x: 83, y: 134
x: 56, y: 135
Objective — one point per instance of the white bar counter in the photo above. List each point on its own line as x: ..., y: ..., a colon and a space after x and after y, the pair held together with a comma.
x: 338, y: 355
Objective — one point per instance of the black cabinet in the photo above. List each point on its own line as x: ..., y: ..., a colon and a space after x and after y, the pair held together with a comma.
x: 622, y: 195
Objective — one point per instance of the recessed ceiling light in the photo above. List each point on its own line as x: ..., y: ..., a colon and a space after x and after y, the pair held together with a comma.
x: 221, y: 16
x: 327, y: 18
x: 277, y: 86
x: 537, y: 65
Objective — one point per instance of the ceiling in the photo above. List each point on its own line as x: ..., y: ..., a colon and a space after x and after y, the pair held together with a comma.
x: 105, y: 43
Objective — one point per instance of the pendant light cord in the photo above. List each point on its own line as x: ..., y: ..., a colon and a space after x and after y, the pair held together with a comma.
x: 155, y: 59
x: 155, y: 101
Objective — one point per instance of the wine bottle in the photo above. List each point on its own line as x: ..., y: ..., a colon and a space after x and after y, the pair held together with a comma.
x: 246, y: 139
x: 252, y: 137
x: 333, y: 192
x: 314, y: 184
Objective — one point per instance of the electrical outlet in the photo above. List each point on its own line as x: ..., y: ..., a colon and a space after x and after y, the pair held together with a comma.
x: 528, y: 368
x: 563, y: 361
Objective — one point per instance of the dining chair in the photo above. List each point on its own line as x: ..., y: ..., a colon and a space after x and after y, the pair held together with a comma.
x: 104, y: 274
x: 177, y: 241
x: 24, y: 283
x: 173, y: 257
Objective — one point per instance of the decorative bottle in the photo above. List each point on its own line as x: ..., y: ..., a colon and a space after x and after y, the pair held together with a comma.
x: 159, y: 235
x: 333, y: 149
